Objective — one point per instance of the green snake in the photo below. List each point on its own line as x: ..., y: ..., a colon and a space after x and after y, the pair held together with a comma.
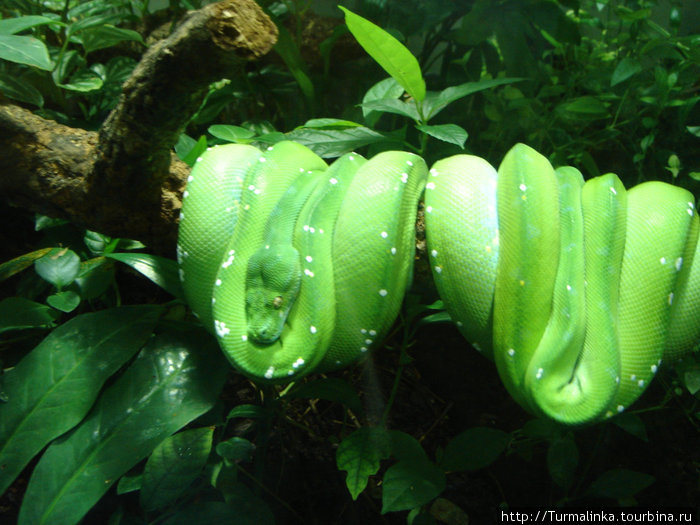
x: 578, y: 291
x: 295, y: 266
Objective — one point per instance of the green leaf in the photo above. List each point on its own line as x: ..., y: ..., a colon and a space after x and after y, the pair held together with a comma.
x: 230, y: 133
x: 18, y: 313
x: 83, y: 81
x: 632, y: 424
x: 451, y: 133
x: 60, y: 267
x: 474, y: 448
x: 330, y: 389
x: 388, y: 52
x: 328, y: 143
x: 248, y: 411
x: 96, y: 275
x: 436, y: 102
x: 158, y: 269
x: 236, y: 449
x: 65, y: 301
x: 54, y: 386
x: 16, y: 265
x: 289, y: 52
x: 21, y: 90
x: 406, y: 447
x: 188, y: 150
x: 409, y: 484
x: 626, y: 68
x: 129, y: 483
x: 562, y: 460
x: 25, y: 50
x: 330, y: 123
x: 175, y: 379
x: 392, y: 105
x: 388, y: 88
x: 583, y: 108
x: 173, y: 466
x: 10, y: 26
x: 359, y: 455
x: 103, y: 36
x: 619, y: 483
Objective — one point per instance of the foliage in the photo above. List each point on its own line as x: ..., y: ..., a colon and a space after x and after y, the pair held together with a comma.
x: 122, y: 400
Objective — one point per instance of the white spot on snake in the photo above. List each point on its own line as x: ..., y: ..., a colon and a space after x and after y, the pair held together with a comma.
x: 438, y: 269
x: 620, y: 409
x: 522, y: 187
x: 301, y: 170
x: 613, y: 190
x: 182, y: 216
x: 269, y: 148
x: 251, y: 187
x: 351, y: 157
x: 217, y: 282
x: 430, y: 186
x: 185, y: 194
x: 199, y: 159
x: 312, y: 229
x: 306, y: 227
x: 393, y: 250
x: 290, y: 372
x: 363, y: 349
x: 670, y: 299
x: 460, y: 323
x: 640, y: 383
x: 383, y: 292
x: 633, y: 377
x: 333, y: 180
x: 690, y: 212
x: 568, y: 287
x: 320, y: 230
x: 434, y: 172
x: 299, y: 362
x: 308, y: 272
x: 270, y: 371
x: 476, y: 346
x: 429, y: 209
x: 384, y: 235
x: 654, y: 368
x: 511, y: 352
x: 190, y: 178
x: 662, y: 260
x: 368, y: 341
x: 256, y: 191
x: 404, y: 178
x: 220, y: 328
x: 228, y: 262
x: 312, y: 329
x: 213, y: 300
x: 309, y: 258
x: 434, y: 253
x: 540, y: 371
x: 337, y: 362
x: 679, y: 264
x: 244, y: 337
x: 617, y: 380
x: 608, y: 414
x: 409, y: 163
x: 262, y: 159
x: 181, y: 273
x: 372, y: 333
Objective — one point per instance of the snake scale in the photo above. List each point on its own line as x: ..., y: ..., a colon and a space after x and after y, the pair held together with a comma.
x: 578, y: 291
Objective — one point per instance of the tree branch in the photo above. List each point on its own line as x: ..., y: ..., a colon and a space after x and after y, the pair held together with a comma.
x: 125, y: 181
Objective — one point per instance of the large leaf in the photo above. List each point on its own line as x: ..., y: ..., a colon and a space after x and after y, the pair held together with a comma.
x: 328, y: 143
x: 437, y: 101
x: 175, y: 379
x: 359, y: 455
x: 10, y: 26
x: 55, y: 385
x: 388, y: 52
x: 25, y: 50
x: 409, y: 484
x: 474, y: 448
x: 451, y: 133
x: 387, y: 88
x: 17, y: 313
x: 174, y: 464
x: 158, y: 269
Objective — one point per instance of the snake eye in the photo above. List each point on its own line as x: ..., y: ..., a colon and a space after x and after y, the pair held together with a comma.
x: 277, y: 302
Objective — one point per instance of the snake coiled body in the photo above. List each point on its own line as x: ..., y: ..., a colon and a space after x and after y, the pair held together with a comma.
x: 578, y: 291
x: 295, y: 266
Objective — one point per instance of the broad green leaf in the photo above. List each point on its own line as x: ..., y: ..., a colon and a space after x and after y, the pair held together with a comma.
x: 328, y: 143
x: 562, y: 460
x: 230, y: 133
x: 16, y: 265
x: 54, y: 386
x: 627, y: 68
x: 129, y: 483
x: 406, y: 447
x: 236, y: 449
x: 96, y: 275
x: 25, y: 50
x: 190, y: 156
x: 632, y: 424
x: 248, y: 411
x: 65, y: 301
x: 173, y: 466
x: 330, y: 123
x: 176, y: 378
x: 437, y: 101
x: 10, y: 26
x: 359, y: 455
x: 60, y: 267
x: 388, y: 52
x: 289, y: 52
x: 83, y: 81
x: 583, y: 108
x: 158, y: 269
x: 619, y: 483
x: 21, y: 90
x: 474, y: 448
x: 451, y: 133
x: 392, y: 105
x: 387, y: 88
x: 409, y: 484
x: 17, y: 313
x: 330, y: 389
x: 106, y: 36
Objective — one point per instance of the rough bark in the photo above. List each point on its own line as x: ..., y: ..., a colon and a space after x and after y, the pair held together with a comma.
x: 124, y: 181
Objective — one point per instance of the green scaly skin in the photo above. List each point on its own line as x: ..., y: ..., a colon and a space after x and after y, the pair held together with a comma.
x: 578, y: 291
x: 295, y: 266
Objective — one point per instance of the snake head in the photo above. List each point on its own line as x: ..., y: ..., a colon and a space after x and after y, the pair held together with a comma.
x: 273, y: 280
